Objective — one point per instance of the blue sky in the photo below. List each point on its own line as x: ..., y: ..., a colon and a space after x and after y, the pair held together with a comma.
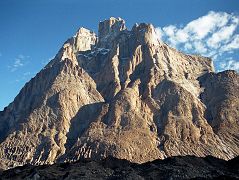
x: 31, y: 32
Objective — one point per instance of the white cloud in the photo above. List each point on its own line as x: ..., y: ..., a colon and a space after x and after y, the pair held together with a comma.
x: 214, y: 35
x: 221, y: 36
x: 234, y: 44
x: 202, y: 26
x: 182, y: 36
x: 230, y: 64
x: 188, y: 46
x: 200, y: 47
x: 170, y: 30
x: 19, y: 62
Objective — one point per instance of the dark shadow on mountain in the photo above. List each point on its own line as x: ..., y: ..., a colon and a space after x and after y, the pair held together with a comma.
x: 85, y: 116
x: 219, y: 88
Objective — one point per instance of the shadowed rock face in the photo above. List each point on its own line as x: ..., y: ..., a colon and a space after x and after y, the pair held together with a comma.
x: 124, y: 94
x: 187, y: 167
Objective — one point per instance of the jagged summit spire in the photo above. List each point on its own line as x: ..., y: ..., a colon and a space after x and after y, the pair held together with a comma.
x: 84, y: 39
x: 111, y: 25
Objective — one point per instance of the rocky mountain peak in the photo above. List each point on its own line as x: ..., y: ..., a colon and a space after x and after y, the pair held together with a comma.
x: 111, y: 26
x: 124, y: 94
x: 147, y: 33
x: 84, y: 40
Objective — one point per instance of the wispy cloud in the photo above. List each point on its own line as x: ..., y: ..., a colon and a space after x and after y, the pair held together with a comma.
x: 26, y: 73
x: 0, y: 54
x: 18, y: 62
x: 229, y: 64
x: 214, y: 35
x: 233, y: 45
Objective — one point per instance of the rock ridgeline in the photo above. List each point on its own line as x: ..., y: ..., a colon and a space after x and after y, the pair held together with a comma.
x: 124, y: 94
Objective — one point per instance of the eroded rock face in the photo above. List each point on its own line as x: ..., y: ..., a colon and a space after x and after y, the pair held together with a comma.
x: 124, y: 94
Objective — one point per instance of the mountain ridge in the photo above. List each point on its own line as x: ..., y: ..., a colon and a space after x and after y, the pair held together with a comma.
x: 124, y: 94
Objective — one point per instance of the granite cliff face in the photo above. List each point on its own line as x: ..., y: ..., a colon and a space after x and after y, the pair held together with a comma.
x: 124, y: 94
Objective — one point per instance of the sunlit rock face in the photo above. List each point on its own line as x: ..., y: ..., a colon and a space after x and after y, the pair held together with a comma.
x: 125, y: 94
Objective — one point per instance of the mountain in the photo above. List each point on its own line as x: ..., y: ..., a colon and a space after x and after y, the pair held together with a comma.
x: 186, y: 167
x: 123, y: 93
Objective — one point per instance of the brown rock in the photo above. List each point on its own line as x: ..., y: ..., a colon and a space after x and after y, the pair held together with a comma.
x: 125, y: 94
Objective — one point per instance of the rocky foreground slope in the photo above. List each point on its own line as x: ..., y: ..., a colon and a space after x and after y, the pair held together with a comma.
x: 125, y: 94
x: 187, y: 167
